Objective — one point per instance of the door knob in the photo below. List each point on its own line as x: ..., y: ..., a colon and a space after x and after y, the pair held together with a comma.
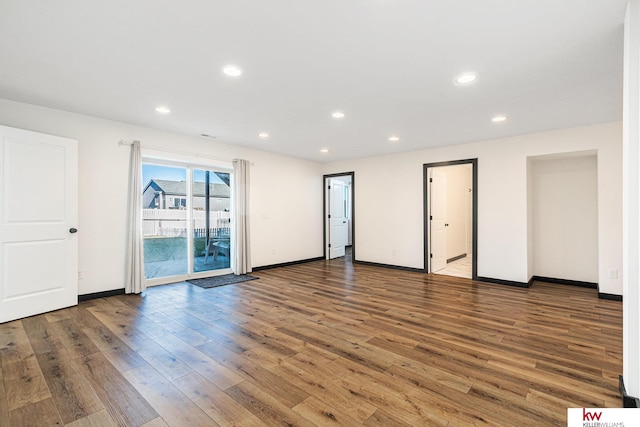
x: 73, y: 230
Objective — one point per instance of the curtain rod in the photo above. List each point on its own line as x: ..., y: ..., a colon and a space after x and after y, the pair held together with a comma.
x: 187, y: 153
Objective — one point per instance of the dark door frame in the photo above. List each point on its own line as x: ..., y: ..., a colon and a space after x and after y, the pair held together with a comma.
x: 474, y: 220
x: 353, y: 212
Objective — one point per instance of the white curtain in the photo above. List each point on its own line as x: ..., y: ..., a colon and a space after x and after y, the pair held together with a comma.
x: 241, y: 246
x: 134, y: 283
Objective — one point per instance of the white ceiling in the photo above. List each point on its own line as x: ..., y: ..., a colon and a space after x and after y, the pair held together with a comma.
x: 388, y: 64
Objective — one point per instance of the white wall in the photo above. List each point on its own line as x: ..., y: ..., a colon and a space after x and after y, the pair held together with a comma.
x: 469, y: 210
x: 286, y: 196
x: 631, y: 201
x: 503, y: 251
x: 565, y: 217
x: 458, y: 185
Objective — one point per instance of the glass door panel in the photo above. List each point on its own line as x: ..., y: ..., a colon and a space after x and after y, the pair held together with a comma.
x: 211, y: 220
x: 164, y: 213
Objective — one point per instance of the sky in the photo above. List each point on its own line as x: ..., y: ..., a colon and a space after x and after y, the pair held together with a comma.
x: 171, y: 173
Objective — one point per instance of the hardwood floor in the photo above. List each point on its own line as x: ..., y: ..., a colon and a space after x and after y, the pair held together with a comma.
x: 323, y: 343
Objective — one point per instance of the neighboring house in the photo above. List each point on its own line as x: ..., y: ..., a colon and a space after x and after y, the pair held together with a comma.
x: 164, y: 194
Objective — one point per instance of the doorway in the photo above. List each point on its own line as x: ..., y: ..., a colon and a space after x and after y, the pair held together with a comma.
x: 450, y: 222
x: 562, y: 199
x: 338, y: 214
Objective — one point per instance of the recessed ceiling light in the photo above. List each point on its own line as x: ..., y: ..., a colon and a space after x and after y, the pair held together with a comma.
x: 499, y: 119
x: 337, y: 115
x: 263, y: 135
x: 394, y: 138
x: 324, y: 150
x: 466, y: 78
x: 162, y: 109
x: 232, y: 70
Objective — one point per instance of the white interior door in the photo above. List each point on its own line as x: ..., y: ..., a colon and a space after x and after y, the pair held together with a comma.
x: 337, y: 218
x: 438, y: 184
x: 38, y: 216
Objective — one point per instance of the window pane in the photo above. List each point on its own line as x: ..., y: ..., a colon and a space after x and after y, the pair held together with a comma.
x: 164, y: 220
x: 211, y: 206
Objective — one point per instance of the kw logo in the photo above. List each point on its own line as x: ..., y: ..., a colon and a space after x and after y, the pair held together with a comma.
x: 590, y: 416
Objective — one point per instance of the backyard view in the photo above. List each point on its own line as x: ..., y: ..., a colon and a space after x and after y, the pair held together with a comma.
x: 167, y: 201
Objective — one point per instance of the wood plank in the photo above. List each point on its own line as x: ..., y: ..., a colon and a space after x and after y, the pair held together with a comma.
x: 115, y: 350
x: 434, y: 396
x: 41, y: 335
x: 4, y: 409
x: 563, y: 382
x: 162, y: 360
x: 397, y: 404
x: 74, y: 340
x: 23, y: 378
x: 124, y: 320
x: 442, y: 377
x: 121, y: 400
x: 83, y: 317
x: 276, y: 386
x: 382, y: 419
x: 359, y: 353
x: 12, y: 334
x: 211, y: 369
x: 319, y: 413
x: 55, y: 316
x: 519, y: 410
x: 555, y: 405
x: 322, y: 384
x: 214, y: 402
x: 177, y: 329
x: 262, y: 405
x: 158, y: 422
x: 97, y: 419
x: 173, y: 406
x: 42, y: 414
x: 192, y: 318
x: 72, y: 394
x: 254, y: 339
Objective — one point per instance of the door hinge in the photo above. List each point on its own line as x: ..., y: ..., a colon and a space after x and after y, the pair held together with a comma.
x: 328, y: 216
x: 328, y: 187
x: 430, y: 179
x: 431, y: 217
x: 329, y: 244
x: 430, y: 255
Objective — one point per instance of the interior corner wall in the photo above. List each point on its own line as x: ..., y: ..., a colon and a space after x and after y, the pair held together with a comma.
x: 530, y: 247
x: 503, y: 231
x: 285, y: 193
x: 565, y: 218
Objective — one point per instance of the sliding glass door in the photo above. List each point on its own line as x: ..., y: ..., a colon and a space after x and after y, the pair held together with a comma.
x: 186, y: 222
x: 211, y: 220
